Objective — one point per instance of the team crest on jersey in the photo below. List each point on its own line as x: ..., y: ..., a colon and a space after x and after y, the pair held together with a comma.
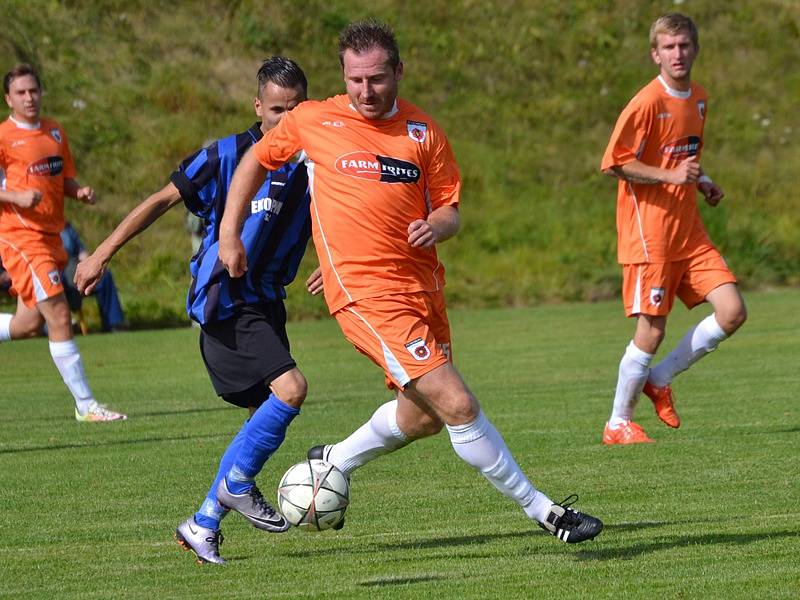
x: 682, y: 148
x: 54, y: 277
x: 418, y: 349
x: 656, y: 296
x: 49, y: 166
x: 701, y: 108
x: 56, y: 134
x: 366, y: 165
x: 417, y: 131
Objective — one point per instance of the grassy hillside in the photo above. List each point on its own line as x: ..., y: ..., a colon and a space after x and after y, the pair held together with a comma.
x: 528, y: 91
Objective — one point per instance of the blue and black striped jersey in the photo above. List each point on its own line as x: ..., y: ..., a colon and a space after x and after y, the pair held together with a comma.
x: 275, y: 233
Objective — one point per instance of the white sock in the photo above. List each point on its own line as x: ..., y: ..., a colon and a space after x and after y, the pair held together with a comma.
x: 380, y: 435
x: 5, y: 327
x: 68, y: 362
x: 633, y: 370
x: 480, y: 445
x: 698, y: 341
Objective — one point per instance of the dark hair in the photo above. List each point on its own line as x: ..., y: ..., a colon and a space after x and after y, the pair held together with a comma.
x: 20, y: 70
x: 673, y: 24
x: 366, y: 35
x: 283, y: 72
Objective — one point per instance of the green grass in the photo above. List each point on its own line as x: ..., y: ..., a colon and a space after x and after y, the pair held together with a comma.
x: 528, y: 91
x: 709, y: 511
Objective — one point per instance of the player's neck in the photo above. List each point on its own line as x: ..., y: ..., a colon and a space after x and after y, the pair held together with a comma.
x: 676, y: 89
x: 24, y: 122
x: 682, y: 85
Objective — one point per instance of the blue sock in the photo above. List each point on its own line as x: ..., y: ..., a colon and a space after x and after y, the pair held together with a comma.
x: 265, y: 432
x: 211, y: 512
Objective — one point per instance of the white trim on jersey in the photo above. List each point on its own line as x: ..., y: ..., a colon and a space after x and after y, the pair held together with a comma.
x: 392, y: 364
x: 681, y: 94
x: 310, y: 169
x: 639, y: 222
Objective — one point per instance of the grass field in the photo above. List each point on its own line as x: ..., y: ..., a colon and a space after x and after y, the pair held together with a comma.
x: 709, y: 511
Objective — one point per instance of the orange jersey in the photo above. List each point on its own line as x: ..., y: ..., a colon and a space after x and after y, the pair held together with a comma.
x: 660, y: 127
x: 369, y: 179
x: 39, y: 159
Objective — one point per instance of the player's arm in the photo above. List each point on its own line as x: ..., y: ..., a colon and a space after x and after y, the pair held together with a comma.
x: 91, y: 270
x: 710, y: 190
x: 22, y: 198
x: 82, y: 193
x: 442, y: 224
x: 687, y: 172
x: 247, y: 178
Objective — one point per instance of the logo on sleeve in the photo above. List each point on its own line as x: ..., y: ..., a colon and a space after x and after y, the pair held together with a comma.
x: 417, y: 131
x: 682, y: 148
x: 49, y: 166
x: 365, y: 165
x: 701, y: 108
x: 418, y: 349
x: 656, y: 296
x: 56, y: 134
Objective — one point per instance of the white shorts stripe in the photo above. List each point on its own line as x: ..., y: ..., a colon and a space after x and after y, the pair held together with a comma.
x: 392, y: 364
x: 637, y: 294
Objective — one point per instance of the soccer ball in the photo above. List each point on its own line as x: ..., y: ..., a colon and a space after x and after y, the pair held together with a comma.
x: 313, y: 495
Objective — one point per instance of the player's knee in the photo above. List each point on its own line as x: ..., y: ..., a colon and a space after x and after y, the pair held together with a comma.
x: 428, y: 425
x: 731, y: 318
x: 463, y: 408
x: 292, y: 388
x: 26, y: 328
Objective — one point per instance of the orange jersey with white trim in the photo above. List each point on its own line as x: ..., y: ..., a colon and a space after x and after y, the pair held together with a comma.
x: 660, y: 127
x: 369, y: 179
x: 39, y: 159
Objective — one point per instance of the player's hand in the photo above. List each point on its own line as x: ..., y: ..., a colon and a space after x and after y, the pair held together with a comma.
x: 314, y: 282
x: 422, y: 234
x: 28, y: 198
x: 88, y: 274
x: 86, y: 195
x: 686, y: 172
x: 233, y: 256
x: 712, y: 192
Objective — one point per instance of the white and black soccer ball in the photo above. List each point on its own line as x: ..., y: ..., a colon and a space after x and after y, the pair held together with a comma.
x: 313, y: 495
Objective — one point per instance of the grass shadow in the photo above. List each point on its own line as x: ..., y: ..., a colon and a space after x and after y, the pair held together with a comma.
x: 98, y: 444
x: 670, y: 542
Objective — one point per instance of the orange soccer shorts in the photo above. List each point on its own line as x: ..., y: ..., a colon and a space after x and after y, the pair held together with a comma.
x: 407, y: 335
x: 651, y: 288
x: 34, y: 263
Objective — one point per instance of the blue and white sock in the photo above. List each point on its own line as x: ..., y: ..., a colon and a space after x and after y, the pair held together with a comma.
x: 212, y: 512
x: 264, y: 434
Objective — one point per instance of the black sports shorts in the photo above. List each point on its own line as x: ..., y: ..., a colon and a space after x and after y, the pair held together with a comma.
x: 245, y: 353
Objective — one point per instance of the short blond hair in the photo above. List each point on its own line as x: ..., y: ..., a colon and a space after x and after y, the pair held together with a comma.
x: 672, y: 24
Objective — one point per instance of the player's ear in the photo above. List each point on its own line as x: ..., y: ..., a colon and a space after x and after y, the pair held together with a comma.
x: 398, y: 72
x: 654, y: 56
x: 257, y: 106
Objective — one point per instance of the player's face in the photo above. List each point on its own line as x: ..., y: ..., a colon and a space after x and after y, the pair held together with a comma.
x: 371, y: 81
x: 274, y: 102
x: 675, y: 55
x: 24, y: 98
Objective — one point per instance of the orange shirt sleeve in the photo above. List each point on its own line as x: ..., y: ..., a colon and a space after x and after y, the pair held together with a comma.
x: 279, y: 144
x: 69, y: 164
x: 444, y: 179
x: 629, y: 136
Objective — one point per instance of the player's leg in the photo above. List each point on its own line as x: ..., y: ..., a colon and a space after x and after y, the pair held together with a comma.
x: 415, y: 339
x: 381, y: 434
x: 648, y: 293
x: 706, y: 278
x: 478, y: 443
x: 250, y: 352
x: 24, y: 323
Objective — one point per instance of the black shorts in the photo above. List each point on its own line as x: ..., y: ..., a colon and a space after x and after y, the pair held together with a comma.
x: 245, y: 353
